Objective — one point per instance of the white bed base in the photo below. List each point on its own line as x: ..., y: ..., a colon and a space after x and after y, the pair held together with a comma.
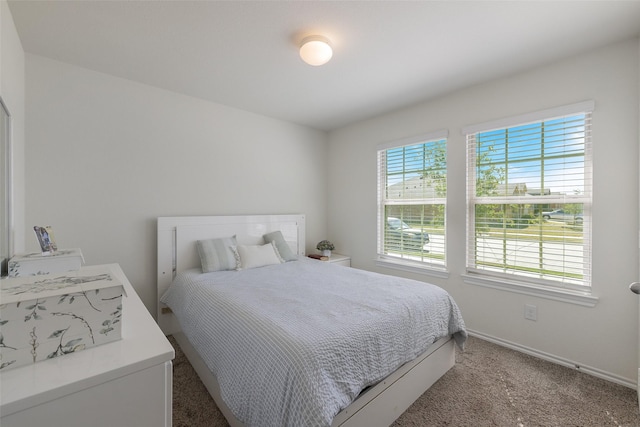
x: 379, y: 405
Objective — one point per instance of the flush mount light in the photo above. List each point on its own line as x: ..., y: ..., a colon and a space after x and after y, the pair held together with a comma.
x: 315, y: 50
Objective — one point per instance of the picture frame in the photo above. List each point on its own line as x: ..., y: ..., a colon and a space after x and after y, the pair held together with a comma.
x: 46, y: 239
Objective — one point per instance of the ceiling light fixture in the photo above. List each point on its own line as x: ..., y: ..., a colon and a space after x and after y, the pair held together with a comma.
x: 315, y: 50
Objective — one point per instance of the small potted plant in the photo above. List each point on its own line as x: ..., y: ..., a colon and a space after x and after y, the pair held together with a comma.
x: 326, y: 247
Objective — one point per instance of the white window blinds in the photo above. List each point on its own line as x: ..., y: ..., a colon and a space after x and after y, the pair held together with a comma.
x: 529, y: 197
x: 412, y: 193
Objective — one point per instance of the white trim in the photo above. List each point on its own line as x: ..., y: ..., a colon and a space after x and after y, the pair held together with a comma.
x: 563, y: 295
x: 581, y: 107
x: 412, y: 267
x: 381, y: 172
x: 7, y: 177
x: 168, y: 386
x: 431, y: 136
x: 627, y: 382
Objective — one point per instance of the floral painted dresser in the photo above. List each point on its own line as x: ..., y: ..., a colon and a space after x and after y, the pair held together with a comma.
x: 126, y: 381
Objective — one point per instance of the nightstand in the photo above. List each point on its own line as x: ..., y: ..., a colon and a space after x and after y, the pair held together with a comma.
x: 339, y: 259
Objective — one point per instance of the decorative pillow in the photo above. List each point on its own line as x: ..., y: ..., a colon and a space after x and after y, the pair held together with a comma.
x: 258, y: 255
x: 217, y: 255
x: 283, y: 247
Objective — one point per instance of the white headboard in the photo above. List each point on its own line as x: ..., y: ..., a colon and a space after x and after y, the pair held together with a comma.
x: 177, y: 238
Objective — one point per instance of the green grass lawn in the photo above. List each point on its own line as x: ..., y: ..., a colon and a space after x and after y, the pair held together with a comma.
x: 549, y: 231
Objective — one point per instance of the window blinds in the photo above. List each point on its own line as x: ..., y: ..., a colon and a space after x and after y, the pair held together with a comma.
x: 529, y: 197
x: 412, y: 193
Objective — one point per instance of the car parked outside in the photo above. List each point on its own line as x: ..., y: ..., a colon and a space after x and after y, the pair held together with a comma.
x: 561, y: 215
x: 400, y: 235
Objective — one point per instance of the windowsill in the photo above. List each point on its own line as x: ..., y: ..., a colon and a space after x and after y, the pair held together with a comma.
x: 412, y: 267
x: 563, y: 295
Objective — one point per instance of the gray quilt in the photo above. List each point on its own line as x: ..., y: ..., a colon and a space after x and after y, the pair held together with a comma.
x: 293, y: 344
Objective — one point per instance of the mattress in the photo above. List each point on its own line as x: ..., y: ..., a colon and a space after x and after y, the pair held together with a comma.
x: 293, y: 344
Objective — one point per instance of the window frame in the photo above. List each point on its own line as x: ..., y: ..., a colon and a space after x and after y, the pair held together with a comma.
x: 389, y: 261
x: 519, y: 283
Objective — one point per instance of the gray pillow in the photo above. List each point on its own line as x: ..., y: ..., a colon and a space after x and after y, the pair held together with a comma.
x: 217, y: 255
x: 283, y: 247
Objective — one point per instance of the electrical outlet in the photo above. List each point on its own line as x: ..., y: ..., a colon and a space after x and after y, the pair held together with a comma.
x: 530, y: 312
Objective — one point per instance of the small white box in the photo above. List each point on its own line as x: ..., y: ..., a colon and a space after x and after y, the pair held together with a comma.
x: 35, y: 263
x: 46, y: 316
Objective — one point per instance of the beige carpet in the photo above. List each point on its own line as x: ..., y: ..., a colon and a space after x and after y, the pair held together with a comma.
x: 489, y: 386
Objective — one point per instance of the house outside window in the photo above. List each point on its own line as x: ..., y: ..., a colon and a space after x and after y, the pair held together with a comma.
x: 412, y: 192
x: 529, y: 199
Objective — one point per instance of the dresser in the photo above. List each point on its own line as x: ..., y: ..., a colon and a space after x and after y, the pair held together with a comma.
x: 122, y: 383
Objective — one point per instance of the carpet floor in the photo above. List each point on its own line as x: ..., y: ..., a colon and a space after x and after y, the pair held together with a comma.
x: 489, y: 386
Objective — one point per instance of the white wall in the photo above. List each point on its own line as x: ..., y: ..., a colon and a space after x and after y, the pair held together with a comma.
x: 107, y: 156
x: 603, y: 339
x: 12, y: 90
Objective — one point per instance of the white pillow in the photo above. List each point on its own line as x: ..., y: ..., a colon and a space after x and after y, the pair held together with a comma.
x: 258, y: 255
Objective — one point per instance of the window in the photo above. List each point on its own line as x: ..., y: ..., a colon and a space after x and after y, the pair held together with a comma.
x: 412, y: 192
x: 529, y: 198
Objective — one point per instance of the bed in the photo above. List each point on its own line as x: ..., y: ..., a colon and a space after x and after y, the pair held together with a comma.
x: 273, y: 349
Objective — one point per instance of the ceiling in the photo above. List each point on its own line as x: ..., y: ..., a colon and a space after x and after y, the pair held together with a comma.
x: 387, y: 54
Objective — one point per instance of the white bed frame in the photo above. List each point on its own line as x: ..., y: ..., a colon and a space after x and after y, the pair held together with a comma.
x: 379, y: 405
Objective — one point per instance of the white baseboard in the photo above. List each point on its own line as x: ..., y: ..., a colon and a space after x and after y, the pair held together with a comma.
x: 627, y: 382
